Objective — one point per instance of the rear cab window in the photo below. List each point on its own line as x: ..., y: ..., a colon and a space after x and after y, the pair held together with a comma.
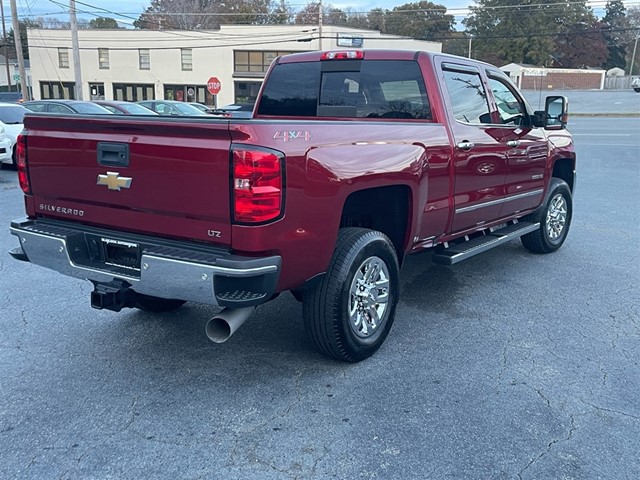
x: 359, y: 89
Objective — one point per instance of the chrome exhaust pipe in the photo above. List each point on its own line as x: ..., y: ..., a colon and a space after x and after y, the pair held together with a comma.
x: 224, y: 324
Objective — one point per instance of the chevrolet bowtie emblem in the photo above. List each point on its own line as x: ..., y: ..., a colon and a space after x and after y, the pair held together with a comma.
x: 114, y: 181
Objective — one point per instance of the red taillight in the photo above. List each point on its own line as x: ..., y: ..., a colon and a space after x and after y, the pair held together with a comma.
x: 257, y: 185
x: 344, y: 55
x: 21, y: 160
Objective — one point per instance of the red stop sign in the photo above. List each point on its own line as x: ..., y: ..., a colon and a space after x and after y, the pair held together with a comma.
x: 214, y: 85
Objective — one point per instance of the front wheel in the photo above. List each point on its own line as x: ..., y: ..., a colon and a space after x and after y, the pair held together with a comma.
x: 349, y: 314
x: 554, y: 218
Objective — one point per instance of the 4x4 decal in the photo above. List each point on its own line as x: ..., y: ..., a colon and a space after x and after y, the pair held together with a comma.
x: 287, y: 135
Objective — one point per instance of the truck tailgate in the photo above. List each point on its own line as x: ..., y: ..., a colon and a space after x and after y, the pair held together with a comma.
x: 158, y: 176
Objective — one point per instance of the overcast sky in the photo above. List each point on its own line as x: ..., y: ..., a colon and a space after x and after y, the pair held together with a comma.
x: 125, y: 11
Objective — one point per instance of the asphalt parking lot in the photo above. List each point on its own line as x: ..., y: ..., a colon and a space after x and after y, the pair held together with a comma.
x: 509, y: 365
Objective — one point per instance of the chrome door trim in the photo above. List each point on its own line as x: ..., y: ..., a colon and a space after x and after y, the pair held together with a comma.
x: 499, y: 201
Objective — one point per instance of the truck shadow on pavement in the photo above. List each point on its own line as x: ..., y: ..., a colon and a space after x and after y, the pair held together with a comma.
x: 433, y: 294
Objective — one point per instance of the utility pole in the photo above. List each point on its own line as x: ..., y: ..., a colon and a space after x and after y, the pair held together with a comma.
x: 633, y: 55
x: 75, y: 45
x: 19, y: 53
x: 319, y: 24
x: 4, y: 37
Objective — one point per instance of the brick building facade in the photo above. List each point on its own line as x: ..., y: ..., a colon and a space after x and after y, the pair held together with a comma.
x: 528, y: 77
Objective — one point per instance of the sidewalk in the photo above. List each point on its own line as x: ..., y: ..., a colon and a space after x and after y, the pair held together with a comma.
x: 596, y: 102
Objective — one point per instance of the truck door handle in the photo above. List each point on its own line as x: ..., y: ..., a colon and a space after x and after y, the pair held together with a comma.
x: 113, y: 154
x: 513, y: 143
x: 465, y: 145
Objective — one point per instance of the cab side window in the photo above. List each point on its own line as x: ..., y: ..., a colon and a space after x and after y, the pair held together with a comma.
x: 468, y: 96
x: 510, y: 107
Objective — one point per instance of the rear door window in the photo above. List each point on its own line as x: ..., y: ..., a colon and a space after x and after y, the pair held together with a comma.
x: 347, y: 89
x: 468, y: 96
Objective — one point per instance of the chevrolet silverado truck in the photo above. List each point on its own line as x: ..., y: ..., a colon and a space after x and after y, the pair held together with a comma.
x: 351, y: 161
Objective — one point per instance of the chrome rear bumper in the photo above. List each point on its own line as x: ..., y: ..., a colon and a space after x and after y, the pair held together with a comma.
x: 176, y: 271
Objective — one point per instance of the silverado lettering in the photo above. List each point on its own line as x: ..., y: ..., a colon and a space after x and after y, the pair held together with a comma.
x: 410, y: 151
x: 66, y: 211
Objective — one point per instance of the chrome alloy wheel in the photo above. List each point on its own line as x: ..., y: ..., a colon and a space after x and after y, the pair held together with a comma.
x: 369, y: 297
x: 556, y: 217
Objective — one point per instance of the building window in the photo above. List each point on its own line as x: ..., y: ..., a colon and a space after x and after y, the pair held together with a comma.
x: 246, y: 92
x: 63, y: 57
x: 144, y: 59
x: 96, y: 90
x: 133, y: 92
x: 186, y: 58
x: 254, y: 62
x: 103, y: 58
x: 189, y: 93
x: 65, y: 90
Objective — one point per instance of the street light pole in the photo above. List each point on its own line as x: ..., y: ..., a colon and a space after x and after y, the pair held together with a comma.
x: 320, y: 25
x: 76, y: 49
x: 6, y: 54
x: 633, y: 55
x: 470, y: 38
x: 19, y: 53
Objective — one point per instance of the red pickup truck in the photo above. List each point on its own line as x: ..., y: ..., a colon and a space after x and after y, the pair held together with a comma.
x: 351, y: 161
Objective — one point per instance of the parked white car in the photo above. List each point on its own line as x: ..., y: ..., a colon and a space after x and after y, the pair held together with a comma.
x: 6, y: 147
x: 11, y: 118
x: 635, y: 84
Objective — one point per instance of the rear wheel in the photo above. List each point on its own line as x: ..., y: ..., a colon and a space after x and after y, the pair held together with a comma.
x: 349, y: 314
x: 554, y: 218
x: 148, y: 303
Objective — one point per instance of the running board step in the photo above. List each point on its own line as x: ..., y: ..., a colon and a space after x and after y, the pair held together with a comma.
x: 462, y: 251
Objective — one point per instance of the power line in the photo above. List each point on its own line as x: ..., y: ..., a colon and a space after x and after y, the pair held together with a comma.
x: 390, y: 38
x: 450, y: 11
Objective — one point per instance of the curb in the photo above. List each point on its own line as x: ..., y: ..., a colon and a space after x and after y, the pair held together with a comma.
x: 604, y: 114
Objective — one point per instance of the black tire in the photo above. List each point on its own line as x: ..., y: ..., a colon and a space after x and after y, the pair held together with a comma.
x: 326, y: 306
x: 151, y: 304
x: 554, y: 218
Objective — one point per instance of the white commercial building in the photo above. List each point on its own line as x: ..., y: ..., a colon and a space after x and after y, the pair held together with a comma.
x: 178, y: 64
x: 13, y: 81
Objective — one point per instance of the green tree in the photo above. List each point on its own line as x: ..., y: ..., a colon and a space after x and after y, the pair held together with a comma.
x: 376, y: 19
x: 103, y: 22
x: 580, y: 42
x: 633, y: 16
x: 423, y: 20
x: 308, y: 15
x: 522, y: 33
x: 581, y: 47
x: 281, y: 14
x: 617, y: 34
x: 23, y: 26
x: 335, y: 16
x: 210, y: 14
